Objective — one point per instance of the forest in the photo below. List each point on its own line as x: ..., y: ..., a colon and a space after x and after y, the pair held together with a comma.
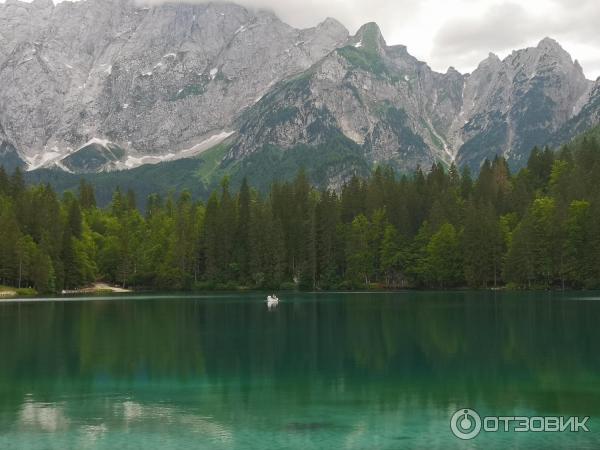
x: 440, y: 228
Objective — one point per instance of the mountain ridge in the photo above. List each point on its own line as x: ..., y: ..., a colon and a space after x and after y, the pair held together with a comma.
x: 145, y: 74
x: 149, y: 84
x: 401, y: 112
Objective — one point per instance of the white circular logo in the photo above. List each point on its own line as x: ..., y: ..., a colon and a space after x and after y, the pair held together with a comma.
x: 465, y: 424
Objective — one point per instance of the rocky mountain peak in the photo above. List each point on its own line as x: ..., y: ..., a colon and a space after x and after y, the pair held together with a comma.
x: 369, y: 37
x: 332, y: 28
x: 111, y: 84
x: 547, y: 54
x: 519, y: 102
x: 550, y: 45
x: 332, y: 23
x: 578, y: 65
x: 492, y: 62
x: 154, y: 80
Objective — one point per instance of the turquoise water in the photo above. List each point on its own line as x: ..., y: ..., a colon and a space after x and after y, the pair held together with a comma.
x: 321, y: 371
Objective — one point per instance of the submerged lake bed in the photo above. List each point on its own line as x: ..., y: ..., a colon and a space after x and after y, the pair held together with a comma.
x: 318, y: 371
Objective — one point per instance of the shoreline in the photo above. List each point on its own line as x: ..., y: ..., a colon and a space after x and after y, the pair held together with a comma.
x: 103, y: 288
x: 97, y: 288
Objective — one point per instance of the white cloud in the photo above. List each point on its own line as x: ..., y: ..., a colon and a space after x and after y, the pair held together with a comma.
x: 352, y: 13
x: 459, y: 32
x: 504, y: 26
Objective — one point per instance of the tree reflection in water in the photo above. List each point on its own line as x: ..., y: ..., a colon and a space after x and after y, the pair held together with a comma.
x: 169, y: 362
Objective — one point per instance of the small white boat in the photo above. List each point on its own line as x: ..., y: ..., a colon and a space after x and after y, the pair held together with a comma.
x: 272, y: 301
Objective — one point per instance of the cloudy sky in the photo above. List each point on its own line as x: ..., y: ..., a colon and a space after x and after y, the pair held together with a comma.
x: 461, y: 33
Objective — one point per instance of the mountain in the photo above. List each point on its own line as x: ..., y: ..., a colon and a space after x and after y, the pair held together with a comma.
x: 9, y: 157
x: 395, y: 110
x: 587, y: 117
x: 510, y: 106
x: 110, y: 85
x: 388, y: 107
x: 127, y: 85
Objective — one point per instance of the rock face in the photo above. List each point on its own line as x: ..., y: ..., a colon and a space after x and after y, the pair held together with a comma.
x: 588, y: 116
x: 392, y: 107
x: 513, y: 105
x: 151, y: 80
x: 100, y: 85
x: 399, y: 112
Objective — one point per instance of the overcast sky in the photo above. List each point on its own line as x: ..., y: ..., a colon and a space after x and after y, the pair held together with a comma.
x: 459, y: 33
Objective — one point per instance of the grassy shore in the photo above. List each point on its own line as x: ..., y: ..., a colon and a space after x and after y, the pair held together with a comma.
x: 10, y: 292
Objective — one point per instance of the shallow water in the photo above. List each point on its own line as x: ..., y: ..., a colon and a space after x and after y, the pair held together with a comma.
x: 321, y: 371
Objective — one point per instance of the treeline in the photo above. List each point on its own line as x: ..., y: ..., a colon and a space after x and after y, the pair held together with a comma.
x: 538, y: 228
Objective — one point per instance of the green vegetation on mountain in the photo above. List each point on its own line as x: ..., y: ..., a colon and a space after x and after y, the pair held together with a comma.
x: 9, y: 157
x: 279, y: 116
x: 538, y: 228
x: 93, y: 157
x: 366, y: 53
x: 211, y: 169
x: 173, y: 176
x: 339, y: 156
x: 363, y: 58
x: 322, y: 163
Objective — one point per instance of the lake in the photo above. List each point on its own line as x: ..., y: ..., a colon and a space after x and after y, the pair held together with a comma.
x: 320, y: 371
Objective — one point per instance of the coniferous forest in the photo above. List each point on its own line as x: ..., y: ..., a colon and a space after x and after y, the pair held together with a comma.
x: 538, y: 228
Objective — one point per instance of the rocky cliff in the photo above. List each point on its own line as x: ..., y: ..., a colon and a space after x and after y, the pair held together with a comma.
x: 101, y: 85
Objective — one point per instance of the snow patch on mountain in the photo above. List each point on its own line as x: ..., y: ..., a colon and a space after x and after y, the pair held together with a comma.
x: 44, y: 159
x: 204, y: 145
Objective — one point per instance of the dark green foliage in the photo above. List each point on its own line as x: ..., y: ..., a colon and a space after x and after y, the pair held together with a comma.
x: 9, y: 157
x: 279, y: 116
x: 365, y: 59
x: 93, y: 157
x: 443, y: 264
x: 87, y: 196
x: 483, y: 246
x: 538, y: 228
x: 367, y: 56
x: 339, y: 156
x: 180, y: 175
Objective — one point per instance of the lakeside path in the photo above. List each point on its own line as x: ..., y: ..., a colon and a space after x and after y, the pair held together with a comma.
x: 106, y: 287
x: 97, y: 288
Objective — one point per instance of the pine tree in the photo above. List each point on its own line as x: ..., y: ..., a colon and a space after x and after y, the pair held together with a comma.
x: 444, y: 267
x: 578, y: 263
x: 117, y: 205
x: 483, y: 246
x: 211, y: 238
x: 4, y: 182
x: 532, y: 257
x: 393, y: 258
x: 87, y: 197
x: 361, y: 254
x: 243, y: 232
x: 17, y: 183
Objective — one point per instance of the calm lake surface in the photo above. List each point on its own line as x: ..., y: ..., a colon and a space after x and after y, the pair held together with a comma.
x: 321, y: 371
